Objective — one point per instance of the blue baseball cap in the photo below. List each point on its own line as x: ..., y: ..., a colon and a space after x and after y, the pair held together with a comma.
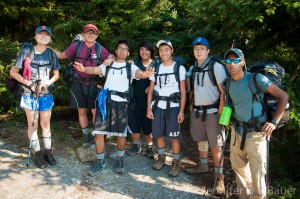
x: 45, y: 28
x: 236, y: 51
x: 201, y: 40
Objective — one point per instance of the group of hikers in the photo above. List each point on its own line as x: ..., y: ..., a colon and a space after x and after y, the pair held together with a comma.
x: 151, y: 93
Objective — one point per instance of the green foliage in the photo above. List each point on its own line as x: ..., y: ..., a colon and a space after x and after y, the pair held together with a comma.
x: 265, y: 30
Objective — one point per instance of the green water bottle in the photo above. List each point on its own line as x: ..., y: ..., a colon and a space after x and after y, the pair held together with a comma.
x: 225, y: 115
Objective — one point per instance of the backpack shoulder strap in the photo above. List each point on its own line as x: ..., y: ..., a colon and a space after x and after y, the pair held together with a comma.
x: 77, y: 49
x: 177, y: 73
x: 128, y: 70
x: 98, y: 51
x: 108, y: 68
x: 211, y: 71
x: 226, y: 84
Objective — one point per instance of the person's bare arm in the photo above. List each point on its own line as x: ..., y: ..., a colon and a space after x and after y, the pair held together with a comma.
x: 282, y: 98
x: 14, y: 72
x: 180, y: 116
x: 222, y: 98
x: 149, y: 100
x: 144, y: 75
x: 88, y: 70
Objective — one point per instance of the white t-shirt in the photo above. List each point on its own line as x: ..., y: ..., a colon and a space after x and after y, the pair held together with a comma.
x: 208, y: 93
x: 117, y: 79
x: 169, y: 85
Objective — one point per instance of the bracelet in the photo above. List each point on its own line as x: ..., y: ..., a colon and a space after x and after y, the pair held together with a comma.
x: 274, y: 122
x: 31, y: 85
x: 180, y: 113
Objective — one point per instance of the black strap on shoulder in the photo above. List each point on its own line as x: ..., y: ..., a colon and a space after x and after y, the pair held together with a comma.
x: 77, y: 50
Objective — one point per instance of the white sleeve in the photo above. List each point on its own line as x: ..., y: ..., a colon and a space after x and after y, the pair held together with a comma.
x: 103, y: 68
x: 182, y: 73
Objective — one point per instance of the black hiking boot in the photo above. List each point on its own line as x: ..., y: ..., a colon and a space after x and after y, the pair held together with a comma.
x: 150, y: 151
x: 119, y: 165
x: 135, y: 149
x: 39, y: 159
x: 98, y: 167
x: 49, y: 157
x: 87, y: 140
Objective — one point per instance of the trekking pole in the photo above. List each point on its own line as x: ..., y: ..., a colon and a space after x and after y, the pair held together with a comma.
x: 268, y: 163
x: 222, y: 155
x: 32, y: 124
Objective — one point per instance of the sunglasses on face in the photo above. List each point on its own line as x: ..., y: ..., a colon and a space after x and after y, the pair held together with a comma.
x: 235, y: 60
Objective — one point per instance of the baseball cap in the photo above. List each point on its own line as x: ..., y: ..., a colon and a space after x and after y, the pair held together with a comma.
x: 90, y: 27
x: 201, y: 40
x: 41, y: 28
x: 160, y: 42
x: 236, y: 51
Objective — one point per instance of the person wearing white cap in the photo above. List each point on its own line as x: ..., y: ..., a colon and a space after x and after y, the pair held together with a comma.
x: 248, y: 147
x: 166, y: 101
x: 206, y: 102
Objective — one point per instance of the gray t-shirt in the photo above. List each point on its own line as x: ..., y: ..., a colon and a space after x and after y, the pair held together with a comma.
x: 40, y: 67
x: 208, y: 93
x: 241, y: 96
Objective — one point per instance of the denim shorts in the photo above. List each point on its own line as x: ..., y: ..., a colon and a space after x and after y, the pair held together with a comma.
x: 45, y: 102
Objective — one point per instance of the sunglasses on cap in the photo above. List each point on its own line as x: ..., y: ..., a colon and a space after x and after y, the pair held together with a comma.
x: 235, y: 60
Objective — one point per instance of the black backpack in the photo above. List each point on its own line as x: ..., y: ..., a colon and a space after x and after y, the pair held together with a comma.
x: 209, y: 68
x: 16, y: 87
x: 275, y: 73
x: 129, y: 94
x: 79, y: 42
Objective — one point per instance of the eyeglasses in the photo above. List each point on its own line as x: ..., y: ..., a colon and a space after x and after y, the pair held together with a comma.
x: 200, y: 49
x: 123, y: 49
x: 235, y: 60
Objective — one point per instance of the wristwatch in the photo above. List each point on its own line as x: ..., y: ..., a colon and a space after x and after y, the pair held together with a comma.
x: 274, y: 122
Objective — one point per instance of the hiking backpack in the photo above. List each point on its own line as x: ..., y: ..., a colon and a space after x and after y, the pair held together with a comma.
x: 16, y: 87
x: 275, y: 73
x: 209, y: 68
x: 79, y: 40
x: 127, y: 95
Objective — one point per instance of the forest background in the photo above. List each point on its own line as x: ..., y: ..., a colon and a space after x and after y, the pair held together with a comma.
x: 266, y: 30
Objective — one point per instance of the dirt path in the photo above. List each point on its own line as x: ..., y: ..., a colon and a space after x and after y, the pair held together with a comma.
x: 68, y: 179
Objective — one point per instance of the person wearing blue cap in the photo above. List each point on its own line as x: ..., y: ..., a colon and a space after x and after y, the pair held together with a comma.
x: 248, y: 145
x: 42, y: 70
x: 206, y: 102
x: 118, y: 95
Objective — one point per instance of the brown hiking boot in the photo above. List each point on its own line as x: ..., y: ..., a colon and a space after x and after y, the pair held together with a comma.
x: 39, y: 159
x: 159, y: 162
x: 219, y: 188
x: 174, y: 170
x: 201, y: 168
x: 49, y: 157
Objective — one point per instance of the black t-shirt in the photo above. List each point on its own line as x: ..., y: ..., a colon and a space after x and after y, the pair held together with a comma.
x: 139, y: 86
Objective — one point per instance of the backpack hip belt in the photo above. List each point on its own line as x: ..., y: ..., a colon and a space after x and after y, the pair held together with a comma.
x: 175, y: 98
x: 256, y: 124
x: 124, y: 95
x: 204, y: 109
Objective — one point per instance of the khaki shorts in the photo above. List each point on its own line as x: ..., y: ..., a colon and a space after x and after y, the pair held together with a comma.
x: 209, y: 130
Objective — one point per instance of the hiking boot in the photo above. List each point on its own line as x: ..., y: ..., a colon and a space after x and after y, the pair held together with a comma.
x: 39, y: 159
x: 219, y: 188
x: 119, y: 165
x: 150, y: 151
x: 160, y: 162
x: 99, y: 166
x: 143, y: 149
x: 87, y: 140
x: 174, y: 170
x: 49, y: 157
x: 135, y: 149
x: 201, y: 168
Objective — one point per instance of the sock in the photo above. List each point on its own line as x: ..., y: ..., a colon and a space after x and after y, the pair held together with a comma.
x: 47, y: 142
x: 161, y: 151
x: 35, y: 145
x: 85, y: 130
x: 219, y: 170
x: 203, y: 160
x: 137, y: 142
x: 100, y: 156
x: 120, y: 153
x: 176, y: 156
